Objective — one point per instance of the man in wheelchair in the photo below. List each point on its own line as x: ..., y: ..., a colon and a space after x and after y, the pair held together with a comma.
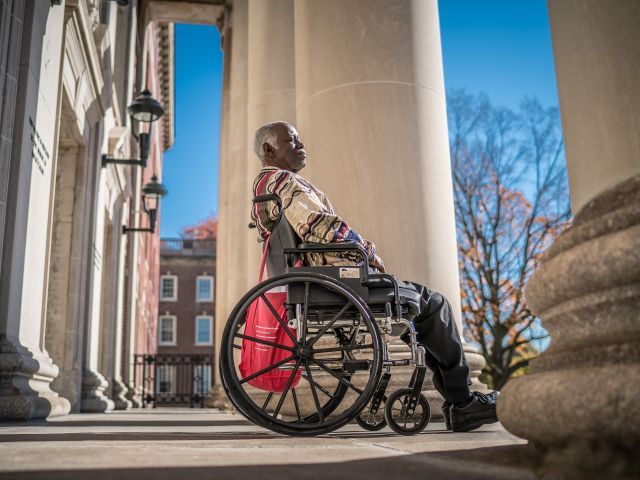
x: 309, y: 212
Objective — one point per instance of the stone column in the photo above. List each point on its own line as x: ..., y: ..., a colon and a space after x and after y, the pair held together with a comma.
x: 587, y: 289
x: 233, y: 201
x: 270, y: 97
x: 67, y: 284
x: 272, y: 94
x: 130, y: 340
x: 371, y: 111
x: 118, y: 388
x: 94, y: 384
x: 113, y: 280
x: 32, y: 34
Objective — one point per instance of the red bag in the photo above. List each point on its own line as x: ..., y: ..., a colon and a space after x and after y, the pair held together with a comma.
x: 261, y: 323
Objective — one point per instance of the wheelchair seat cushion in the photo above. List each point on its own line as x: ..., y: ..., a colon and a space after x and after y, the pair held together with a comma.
x: 381, y: 292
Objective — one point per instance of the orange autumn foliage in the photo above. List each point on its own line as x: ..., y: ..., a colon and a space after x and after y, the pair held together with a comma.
x: 204, y: 229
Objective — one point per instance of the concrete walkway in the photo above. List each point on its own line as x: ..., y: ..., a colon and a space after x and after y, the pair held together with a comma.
x: 186, y: 444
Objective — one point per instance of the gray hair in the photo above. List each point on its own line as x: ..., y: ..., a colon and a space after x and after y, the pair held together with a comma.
x: 266, y: 134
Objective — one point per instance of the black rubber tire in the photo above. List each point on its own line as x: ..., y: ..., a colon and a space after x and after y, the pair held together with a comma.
x: 310, y: 425
x: 379, y: 421
x: 396, y: 401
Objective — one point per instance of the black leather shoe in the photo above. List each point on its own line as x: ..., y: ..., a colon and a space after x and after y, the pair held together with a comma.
x: 479, y: 411
x: 446, y: 412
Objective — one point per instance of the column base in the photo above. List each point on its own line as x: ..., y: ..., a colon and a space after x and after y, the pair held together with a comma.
x: 69, y: 385
x: 93, y: 397
x: 580, y: 459
x: 476, y: 363
x: 25, y: 383
x: 118, y: 394
x: 587, y: 292
x: 133, y: 396
x: 218, y: 399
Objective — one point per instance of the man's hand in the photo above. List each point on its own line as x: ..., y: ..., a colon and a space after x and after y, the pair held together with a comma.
x: 377, y: 263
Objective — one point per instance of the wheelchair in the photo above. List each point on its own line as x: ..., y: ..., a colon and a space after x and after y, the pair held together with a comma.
x: 340, y: 322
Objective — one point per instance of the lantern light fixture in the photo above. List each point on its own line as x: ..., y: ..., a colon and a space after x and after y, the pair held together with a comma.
x: 152, y: 193
x: 144, y: 109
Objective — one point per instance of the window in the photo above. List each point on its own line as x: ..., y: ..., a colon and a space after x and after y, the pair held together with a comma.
x: 167, y: 330
x: 201, y: 379
x: 204, y: 327
x: 166, y: 381
x: 204, y: 289
x: 168, y: 288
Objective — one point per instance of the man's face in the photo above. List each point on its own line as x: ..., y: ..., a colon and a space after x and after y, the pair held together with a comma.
x: 288, y: 153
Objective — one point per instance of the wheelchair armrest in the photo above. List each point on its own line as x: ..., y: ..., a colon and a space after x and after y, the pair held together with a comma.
x: 334, y: 247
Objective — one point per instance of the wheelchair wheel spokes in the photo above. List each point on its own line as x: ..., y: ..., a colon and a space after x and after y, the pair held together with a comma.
x: 283, y: 324
x: 314, y: 392
x: 333, y: 360
x: 326, y: 327
x: 266, y: 369
x: 339, y: 377
x: 262, y: 341
x: 287, y: 387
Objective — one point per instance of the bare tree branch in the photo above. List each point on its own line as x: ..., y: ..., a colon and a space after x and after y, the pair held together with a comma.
x: 511, y: 199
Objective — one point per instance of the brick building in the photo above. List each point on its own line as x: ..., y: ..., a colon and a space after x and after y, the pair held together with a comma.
x: 185, y: 321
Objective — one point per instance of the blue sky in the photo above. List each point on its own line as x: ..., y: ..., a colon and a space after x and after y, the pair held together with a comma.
x: 190, y: 170
x: 500, y: 47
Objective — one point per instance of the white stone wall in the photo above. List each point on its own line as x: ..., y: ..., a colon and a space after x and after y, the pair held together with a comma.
x: 64, y: 255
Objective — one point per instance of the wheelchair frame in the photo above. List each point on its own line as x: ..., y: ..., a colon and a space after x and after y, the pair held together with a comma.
x: 316, y: 292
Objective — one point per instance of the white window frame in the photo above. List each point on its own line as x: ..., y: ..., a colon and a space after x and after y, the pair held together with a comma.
x: 174, y: 325
x: 207, y: 384
x: 166, y: 373
x: 210, y: 298
x: 174, y: 298
x: 210, y: 318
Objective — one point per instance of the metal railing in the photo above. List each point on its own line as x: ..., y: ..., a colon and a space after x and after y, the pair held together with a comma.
x: 188, y: 247
x: 173, y: 379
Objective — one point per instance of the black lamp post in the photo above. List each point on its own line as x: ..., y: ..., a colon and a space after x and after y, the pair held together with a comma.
x: 152, y: 193
x: 144, y: 109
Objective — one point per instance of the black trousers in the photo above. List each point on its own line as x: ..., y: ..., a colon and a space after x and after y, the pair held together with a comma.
x: 437, y: 331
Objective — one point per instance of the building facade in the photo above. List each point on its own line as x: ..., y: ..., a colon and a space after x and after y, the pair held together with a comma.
x: 77, y: 296
x: 186, y: 319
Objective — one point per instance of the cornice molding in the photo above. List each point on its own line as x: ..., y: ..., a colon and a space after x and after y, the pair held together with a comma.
x: 166, y: 53
x: 195, y: 11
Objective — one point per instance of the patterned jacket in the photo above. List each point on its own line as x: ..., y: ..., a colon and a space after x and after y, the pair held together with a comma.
x: 309, y: 212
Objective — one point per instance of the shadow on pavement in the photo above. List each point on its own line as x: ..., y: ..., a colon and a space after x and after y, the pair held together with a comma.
x: 131, y: 423
x: 132, y: 437
x: 452, y: 465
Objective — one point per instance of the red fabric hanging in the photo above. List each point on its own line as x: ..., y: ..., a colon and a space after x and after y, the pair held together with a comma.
x: 262, y: 324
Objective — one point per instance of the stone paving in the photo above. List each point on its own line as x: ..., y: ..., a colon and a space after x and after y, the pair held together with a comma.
x: 187, y: 444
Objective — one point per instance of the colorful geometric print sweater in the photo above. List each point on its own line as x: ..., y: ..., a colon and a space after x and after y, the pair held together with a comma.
x: 309, y: 212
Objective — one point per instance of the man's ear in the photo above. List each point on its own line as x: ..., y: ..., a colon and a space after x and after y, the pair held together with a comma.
x: 268, y: 150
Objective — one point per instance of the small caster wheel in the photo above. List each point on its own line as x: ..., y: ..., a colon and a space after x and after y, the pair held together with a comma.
x: 398, y: 417
x: 372, y: 421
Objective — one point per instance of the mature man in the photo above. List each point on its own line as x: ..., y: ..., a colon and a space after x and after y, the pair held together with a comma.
x: 308, y: 210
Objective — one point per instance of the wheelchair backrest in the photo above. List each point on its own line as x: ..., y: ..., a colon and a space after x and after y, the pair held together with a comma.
x: 283, y: 236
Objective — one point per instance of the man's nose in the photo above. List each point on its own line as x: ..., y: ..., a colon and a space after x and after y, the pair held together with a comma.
x: 299, y: 144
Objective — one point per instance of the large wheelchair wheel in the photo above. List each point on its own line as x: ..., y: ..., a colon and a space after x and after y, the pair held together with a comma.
x: 335, y: 350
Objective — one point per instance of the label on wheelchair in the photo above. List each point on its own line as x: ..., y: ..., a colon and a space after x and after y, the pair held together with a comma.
x: 349, y: 272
